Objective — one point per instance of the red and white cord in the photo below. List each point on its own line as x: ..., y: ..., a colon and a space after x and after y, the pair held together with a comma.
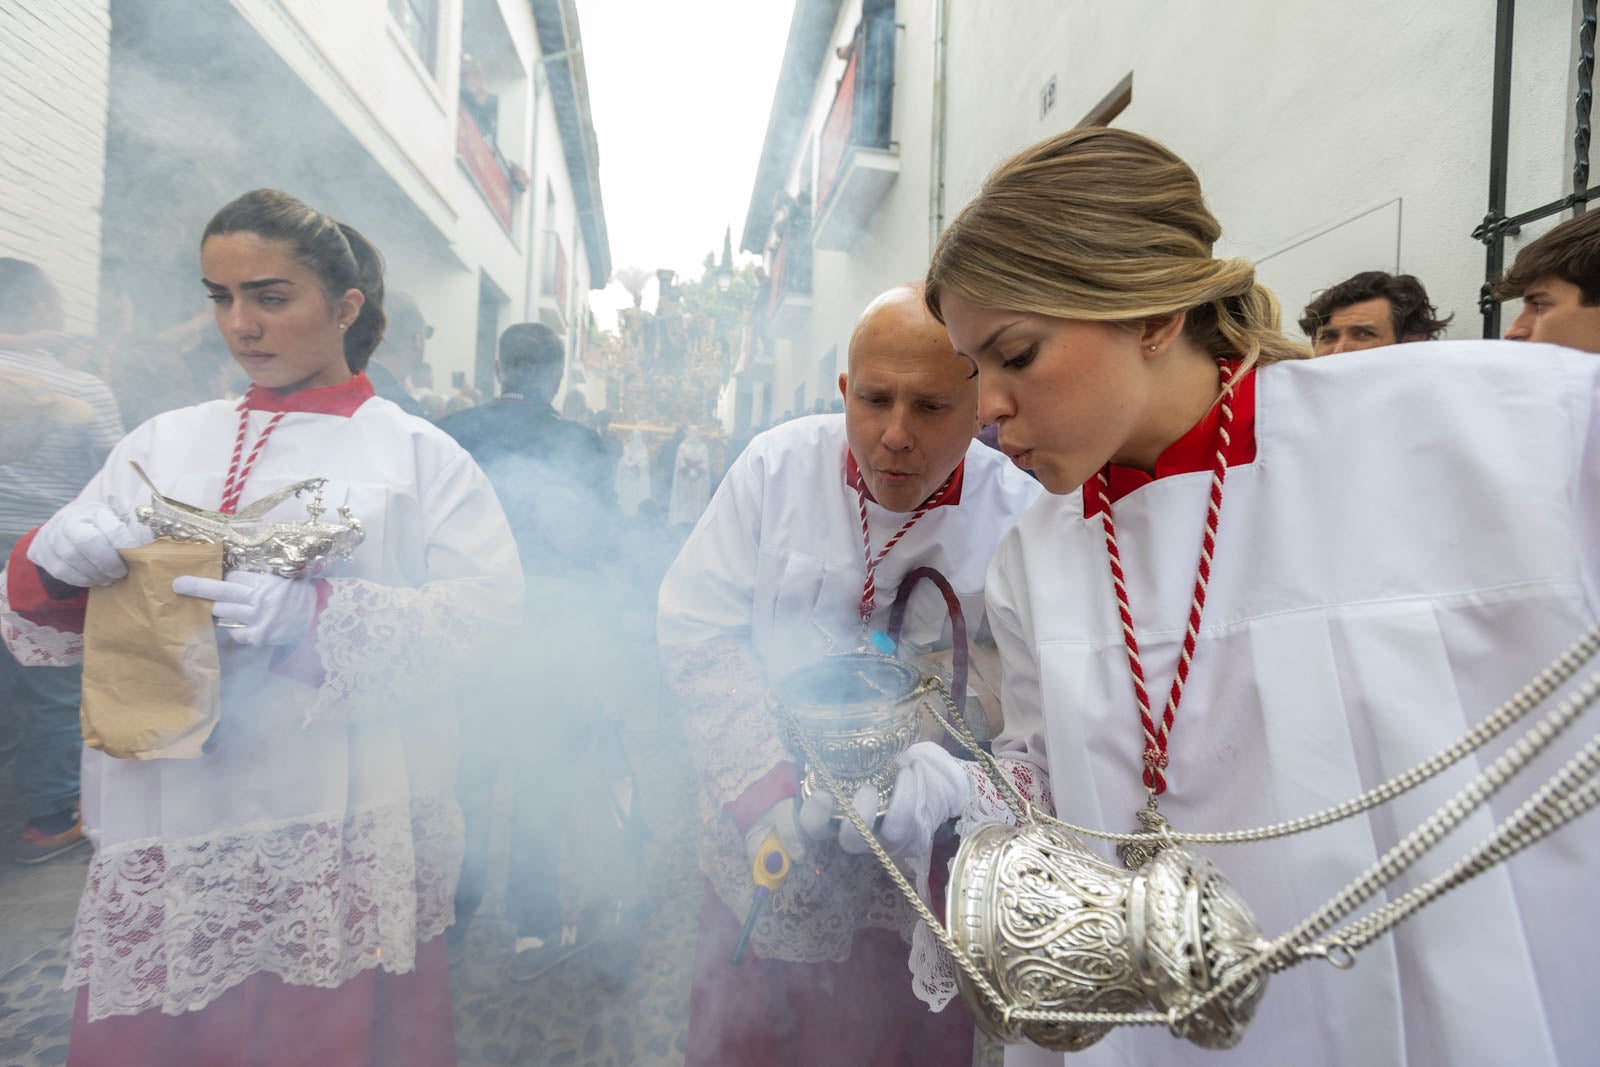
x: 239, y: 468
x: 1157, y: 733
x: 869, y: 588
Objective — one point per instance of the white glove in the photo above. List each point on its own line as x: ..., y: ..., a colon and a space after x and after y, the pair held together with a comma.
x: 260, y: 609
x: 932, y: 786
x: 816, y: 815
x: 78, y: 545
x: 779, y: 819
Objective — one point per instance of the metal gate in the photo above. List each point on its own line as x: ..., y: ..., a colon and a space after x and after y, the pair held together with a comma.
x: 1497, y: 225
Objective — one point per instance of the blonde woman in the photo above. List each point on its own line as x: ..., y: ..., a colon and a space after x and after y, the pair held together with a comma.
x: 1397, y: 540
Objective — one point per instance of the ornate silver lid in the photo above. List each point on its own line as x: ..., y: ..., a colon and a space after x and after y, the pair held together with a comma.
x: 251, y: 542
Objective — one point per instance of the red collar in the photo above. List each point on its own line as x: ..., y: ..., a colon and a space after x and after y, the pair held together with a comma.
x: 951, y: 495
x: 342, y: 399
x: 1193, y: 452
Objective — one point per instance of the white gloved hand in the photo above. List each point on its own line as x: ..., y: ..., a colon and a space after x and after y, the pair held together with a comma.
x: 262, y: 609
x: 78, y: 545
x: 779, y: 819
x: 816, y: 815
x: 932, y: 786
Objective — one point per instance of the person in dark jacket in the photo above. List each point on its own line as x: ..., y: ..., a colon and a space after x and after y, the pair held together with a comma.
x: 400, y: 352
x: 554, y: 479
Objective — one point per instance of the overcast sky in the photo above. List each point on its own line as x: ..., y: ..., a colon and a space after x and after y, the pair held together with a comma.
x: 680, y: 94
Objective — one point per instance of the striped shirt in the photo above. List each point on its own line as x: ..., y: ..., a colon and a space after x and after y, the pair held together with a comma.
x: 62, y: 425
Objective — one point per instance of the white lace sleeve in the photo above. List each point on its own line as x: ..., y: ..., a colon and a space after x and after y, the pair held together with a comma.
x: 34, y: 645
x: 387, y: 649
x: 735, y: 740
x: 986, y: 803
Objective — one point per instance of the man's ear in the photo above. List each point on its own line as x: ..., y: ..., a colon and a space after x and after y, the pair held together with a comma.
x: 843, y: 378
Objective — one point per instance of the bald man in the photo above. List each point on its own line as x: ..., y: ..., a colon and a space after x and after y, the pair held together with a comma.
x: 773, y: 577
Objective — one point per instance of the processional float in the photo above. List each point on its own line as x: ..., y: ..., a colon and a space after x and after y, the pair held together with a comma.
x: 1053, y: 944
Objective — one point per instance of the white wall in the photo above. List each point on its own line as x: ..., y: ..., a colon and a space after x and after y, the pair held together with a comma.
x: 53, y: 143
x: 1329, y: 138
x: 354, y: 56
x: 1300, y: 119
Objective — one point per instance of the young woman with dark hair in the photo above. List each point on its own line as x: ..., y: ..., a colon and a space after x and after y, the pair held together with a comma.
x: 279, y: 899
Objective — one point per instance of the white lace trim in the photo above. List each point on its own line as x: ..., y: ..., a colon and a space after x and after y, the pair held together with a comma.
x: 933, y: 971
x: 985, y: 802
x: 733, y: 737
x: 32, y: 644
x: 815, y: 914
x: 387, y: 648
x: 173, y: 925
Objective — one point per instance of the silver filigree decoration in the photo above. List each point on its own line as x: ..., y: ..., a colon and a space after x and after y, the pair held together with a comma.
x: 251, y: 542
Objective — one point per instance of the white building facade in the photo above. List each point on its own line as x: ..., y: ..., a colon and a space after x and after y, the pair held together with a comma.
x: 53, y: 143
x: 1330, y: 139
x: 454, y: 133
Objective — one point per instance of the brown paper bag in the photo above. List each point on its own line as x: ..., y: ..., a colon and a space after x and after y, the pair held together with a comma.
x: 151, y: 678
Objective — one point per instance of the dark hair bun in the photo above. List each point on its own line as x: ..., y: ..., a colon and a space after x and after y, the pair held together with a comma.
x: 362, y: 338
x: 340, y: 257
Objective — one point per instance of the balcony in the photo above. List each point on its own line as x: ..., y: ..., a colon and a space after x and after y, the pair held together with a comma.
x: 483, y: 163
x: 789, y: 294
x: 856, y: 159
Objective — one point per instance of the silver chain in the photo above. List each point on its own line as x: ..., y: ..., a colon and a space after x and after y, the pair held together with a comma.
x: 1506, y: 715
x: 937, y: 928
x: 1568, y: 794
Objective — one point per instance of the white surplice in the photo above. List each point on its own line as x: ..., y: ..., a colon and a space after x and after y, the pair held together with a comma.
x: 633, y: 475
x: 691, y: 481
x: 318, y: 836
x: 770, y: 579
x: 1415, y: 539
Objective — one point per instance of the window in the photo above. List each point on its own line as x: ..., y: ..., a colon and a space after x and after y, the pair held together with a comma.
x: 419, y: 21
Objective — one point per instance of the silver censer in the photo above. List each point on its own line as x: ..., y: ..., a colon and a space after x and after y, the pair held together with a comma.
x: 1039, y: 926
x: 1041, y: 921
x: 250, y: 541
x: 1053, y: 944
x: 1054, y: 927
x: 859, y: 711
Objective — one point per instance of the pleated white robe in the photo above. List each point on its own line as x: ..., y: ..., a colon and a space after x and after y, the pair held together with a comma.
x: 1415, y: 539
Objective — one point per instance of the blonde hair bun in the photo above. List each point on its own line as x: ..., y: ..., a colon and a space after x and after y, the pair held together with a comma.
x: 1106, y: 224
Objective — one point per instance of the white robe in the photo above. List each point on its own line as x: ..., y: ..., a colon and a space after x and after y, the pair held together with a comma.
x: 1416, y: 538
x: 633, y: 475
x: 318, y: 836
x: 691, y: 482
x: 769, y: 580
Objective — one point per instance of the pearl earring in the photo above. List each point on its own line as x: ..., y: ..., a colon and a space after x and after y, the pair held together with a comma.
x: 344, y: 325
